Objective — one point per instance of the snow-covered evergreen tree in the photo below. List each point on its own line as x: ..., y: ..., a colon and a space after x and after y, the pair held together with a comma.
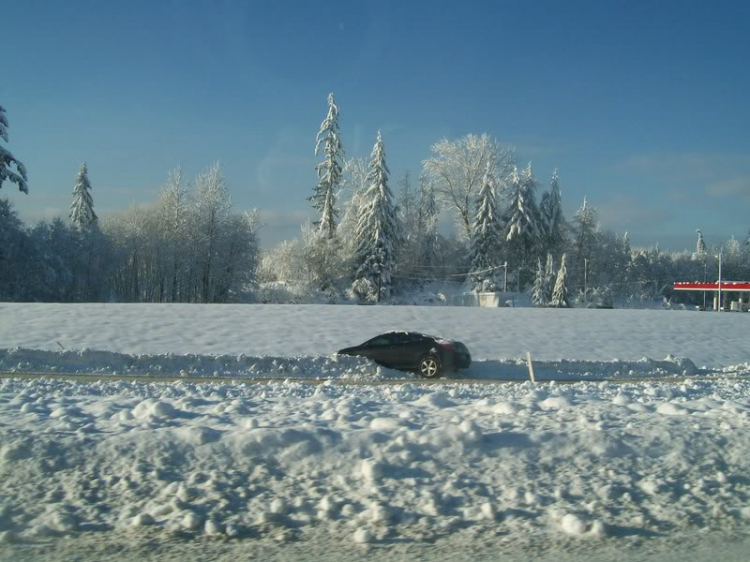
x: 329, y: 170
x: 7, y: 160
x: 560, y: 297
x: 700, y: 245
x: 521, y: 219
x: 486, y: 234
x: 550, y: 275
x: 552, y: 219
x: 378, y: 231
x: 82, y: 214
x: 538, y: 293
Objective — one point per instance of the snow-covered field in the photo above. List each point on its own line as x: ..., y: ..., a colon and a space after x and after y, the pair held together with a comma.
x: 388, y: 468
x: 255, y: 335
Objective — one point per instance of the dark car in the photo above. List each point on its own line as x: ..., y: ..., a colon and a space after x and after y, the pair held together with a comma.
x: 429, y: 356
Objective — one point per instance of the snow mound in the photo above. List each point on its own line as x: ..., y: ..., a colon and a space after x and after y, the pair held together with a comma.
x: 372, y: 463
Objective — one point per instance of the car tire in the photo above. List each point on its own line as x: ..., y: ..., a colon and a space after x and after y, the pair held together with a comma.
x: 429, y: 367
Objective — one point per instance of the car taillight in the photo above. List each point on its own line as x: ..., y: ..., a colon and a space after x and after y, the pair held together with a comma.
x: 448, y: 346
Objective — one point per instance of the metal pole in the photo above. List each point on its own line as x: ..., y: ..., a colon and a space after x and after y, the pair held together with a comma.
x: 505, y: 280
x: 705, y: 278
x: 720, y: 252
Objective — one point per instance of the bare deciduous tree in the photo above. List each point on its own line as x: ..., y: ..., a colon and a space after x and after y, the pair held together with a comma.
x: 457, y: 168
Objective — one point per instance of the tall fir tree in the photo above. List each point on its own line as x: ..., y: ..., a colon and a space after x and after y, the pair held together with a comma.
x: 486, y: 234
x: 538, y: 293
x: 560, y: 297
x: 550, y: 276
x: 378, y: 231
x: 7, y: 160
x: 82, y: 214
x: 521, y: 220
x: 329, y: 170
x: 700, y: 245
x: 552, y: 219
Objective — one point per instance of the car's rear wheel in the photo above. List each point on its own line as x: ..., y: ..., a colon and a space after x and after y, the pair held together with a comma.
x: 429, y: 367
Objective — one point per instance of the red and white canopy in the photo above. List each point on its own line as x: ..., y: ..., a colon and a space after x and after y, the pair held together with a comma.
x: 733, y: 286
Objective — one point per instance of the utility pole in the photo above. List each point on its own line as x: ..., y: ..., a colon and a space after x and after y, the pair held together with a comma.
x: 720, y: 252
x: 505, y: 280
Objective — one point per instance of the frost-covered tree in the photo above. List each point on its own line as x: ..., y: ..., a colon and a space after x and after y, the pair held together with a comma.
x: 82, y: 214
x: 486, y: 234
x: 408, y: 213
x: 329, y: 170
x: 429, y: 246
x: 355, y: 184
x: 407, y: 203
x: 378, y: 232
x: 700, y: 245
x: 7, y: 160
x: 174, y: 208
x: 457, y: 169
x: 560, y: 297
x: 212, y: 205
x: 586, y: 243
x: 550, y: 275
x: 538, y: 293
x: 521, y: 219
x: 552, y: 219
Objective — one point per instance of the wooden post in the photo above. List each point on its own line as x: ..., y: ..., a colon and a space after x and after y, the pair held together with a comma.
x: 532, y: 378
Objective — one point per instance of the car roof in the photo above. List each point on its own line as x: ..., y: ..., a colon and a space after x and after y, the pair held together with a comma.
x: 411, y: 333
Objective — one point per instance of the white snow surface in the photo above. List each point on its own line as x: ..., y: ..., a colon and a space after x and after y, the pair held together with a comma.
x: 369, y: 465
x: 708, y: 339
x: 372, y: 464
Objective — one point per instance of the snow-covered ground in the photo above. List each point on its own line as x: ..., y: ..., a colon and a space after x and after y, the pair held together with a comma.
x: 370, y: 467
x: 708, y: 339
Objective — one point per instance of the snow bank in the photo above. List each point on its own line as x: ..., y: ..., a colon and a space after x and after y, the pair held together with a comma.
x: 372, y: 464
x: 88, y: 361
x: 92, y: 362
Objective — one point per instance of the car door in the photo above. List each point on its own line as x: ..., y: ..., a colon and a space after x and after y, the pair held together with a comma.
x: 398, y: 352
x: 379, y: 349
x: 417, y: 346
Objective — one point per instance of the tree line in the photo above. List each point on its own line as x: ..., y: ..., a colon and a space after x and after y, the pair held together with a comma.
x: 507, y: 237
x: 368, y: 243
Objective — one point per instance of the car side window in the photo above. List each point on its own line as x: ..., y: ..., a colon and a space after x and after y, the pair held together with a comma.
x: 379, y: 341
x: 397, y: 339
x: 413, y: 338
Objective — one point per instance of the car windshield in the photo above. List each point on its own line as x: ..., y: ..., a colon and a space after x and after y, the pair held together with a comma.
x: 228, y: 227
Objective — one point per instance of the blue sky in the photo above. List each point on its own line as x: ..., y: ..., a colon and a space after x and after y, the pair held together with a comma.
x: 643, y: 106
